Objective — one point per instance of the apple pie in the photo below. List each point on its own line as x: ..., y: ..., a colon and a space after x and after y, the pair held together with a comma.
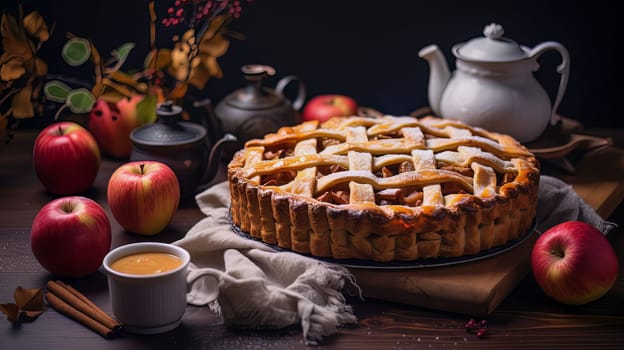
x: 384, y: 189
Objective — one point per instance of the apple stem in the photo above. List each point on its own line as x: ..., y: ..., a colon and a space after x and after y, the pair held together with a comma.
x: 557, y: 253
x: 68, y: 207
x: 60, y: 130
x: 142, y: 166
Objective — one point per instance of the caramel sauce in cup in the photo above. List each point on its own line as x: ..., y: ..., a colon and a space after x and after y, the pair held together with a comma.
x: 146, y: 263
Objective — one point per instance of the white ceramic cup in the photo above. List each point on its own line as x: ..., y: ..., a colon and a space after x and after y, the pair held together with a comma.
x: 148, y: 304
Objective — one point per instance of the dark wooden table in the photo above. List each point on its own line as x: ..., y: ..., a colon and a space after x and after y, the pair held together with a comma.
x: 526, y: 319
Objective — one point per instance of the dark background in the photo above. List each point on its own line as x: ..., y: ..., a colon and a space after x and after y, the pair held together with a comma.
x: 369, y: 49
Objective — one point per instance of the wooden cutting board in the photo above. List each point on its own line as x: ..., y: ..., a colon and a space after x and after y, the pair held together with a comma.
x: 477, y: 288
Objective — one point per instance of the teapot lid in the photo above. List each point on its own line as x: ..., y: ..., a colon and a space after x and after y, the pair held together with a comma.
x: 254, y: 95
x: 491, y: 48
x: 169, y: 129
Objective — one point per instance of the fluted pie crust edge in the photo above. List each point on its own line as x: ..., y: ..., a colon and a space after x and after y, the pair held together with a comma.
x: 458, y: 224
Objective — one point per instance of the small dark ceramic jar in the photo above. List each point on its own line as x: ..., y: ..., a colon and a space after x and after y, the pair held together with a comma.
x: 183, y: 146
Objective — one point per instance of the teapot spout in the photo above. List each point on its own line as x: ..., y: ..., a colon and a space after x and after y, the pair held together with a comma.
x: 212, y: 165
x: 439, y: 75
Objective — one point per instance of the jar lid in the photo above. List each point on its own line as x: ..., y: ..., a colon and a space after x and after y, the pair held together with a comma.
x: 491, y: 48
x: 168, y: 130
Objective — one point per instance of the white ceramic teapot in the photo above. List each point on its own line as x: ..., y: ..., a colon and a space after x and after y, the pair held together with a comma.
x: 493, y: 86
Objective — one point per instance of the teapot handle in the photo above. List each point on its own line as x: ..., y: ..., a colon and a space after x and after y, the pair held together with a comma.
x: 563, y: 69
x: 301, y: 91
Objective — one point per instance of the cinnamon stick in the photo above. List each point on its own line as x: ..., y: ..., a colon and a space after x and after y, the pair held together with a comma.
x: 78, y: 302
x: 61, y: 306
x: 112, y: 323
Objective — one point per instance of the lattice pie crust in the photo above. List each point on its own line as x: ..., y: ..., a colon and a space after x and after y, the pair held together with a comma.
x: 383, y: 189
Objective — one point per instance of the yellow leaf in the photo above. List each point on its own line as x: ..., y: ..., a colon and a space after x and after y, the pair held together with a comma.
x: 36, y: 27
x: 13, y: 38
x: 212, y: 66
x: 123, y: 90
x: 195, y: 62
x: 216, y: 25
x: 178, y: 91
x: 189, y: 36
x: 13, y: 69
x: 97, y: 89
x: 22, y: 104
x: 216, y: 46
x: 163, y: 58
x: 41, y: 68
x: 179, y: 57
x: 199, y: 76
x: 97, y: 61
x: 123, y: 78
x: 180, y: 73
x: 153, y: 18
x: 111, y: 95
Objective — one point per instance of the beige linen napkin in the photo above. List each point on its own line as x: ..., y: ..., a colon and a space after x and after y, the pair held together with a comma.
x: 252, y: 285
x: 557, y: 202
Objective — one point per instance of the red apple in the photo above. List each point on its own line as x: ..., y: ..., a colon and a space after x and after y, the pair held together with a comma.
x: 70, y: 236
x: 574, y: 263
x: 66, y: 158
x: 111, y: 124
x: 143, y: 196
x: 323, y: 107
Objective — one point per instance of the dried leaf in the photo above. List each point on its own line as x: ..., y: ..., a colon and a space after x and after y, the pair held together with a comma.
x: 36, y: 27
x: 41, y: 68
x: 215, y: 27
x: 216, y: 46
x: 13, y: 69
x: 179, y: 55
x: 189, y: 36
x: 122, y: 89
x: 22, y: 104
x: 19, y: 61
x: 11, y: 311
x: 97, y: 89
x: 14, y: 40
x: 163, y: 58
x: 199, y: 76
x: 110, y: 94
x: 124, y: 78
x: 29, y: 299
x: 28, y: 305
x: 179, y: 72
x: 97, y: 63
x: 178, y: 91
x: 153, y: 18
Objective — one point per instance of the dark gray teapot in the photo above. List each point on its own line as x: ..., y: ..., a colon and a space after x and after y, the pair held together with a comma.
x: 184, y: 146
x: 255, y: 110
